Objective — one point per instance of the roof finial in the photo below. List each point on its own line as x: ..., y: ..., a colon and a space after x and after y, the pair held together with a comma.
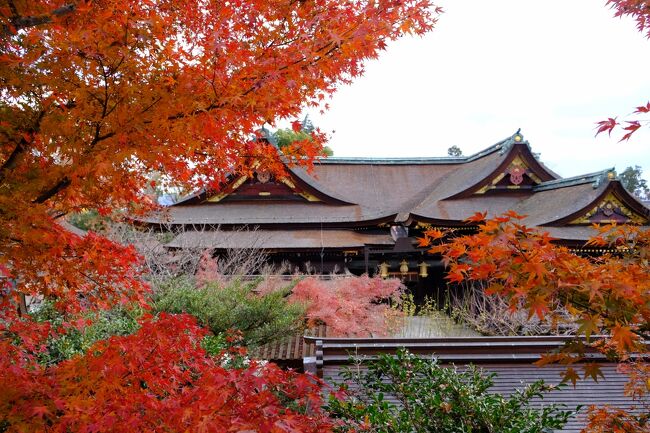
x: 606, y: 176
x: 611, y: 174
x: 517, y: 137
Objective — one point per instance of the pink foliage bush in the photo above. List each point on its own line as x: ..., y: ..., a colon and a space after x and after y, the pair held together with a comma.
x: 350, y: 306
x: 209, y: 271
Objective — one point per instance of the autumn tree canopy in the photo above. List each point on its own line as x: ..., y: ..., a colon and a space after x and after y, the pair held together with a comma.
x: 97, y: 94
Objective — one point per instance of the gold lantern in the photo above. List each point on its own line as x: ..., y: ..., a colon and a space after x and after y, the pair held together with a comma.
x: 423, y: 269
x: 404, y: 267
x: 383, y: 270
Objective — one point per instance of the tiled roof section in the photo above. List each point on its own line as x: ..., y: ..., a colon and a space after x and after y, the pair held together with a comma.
x: 291, y: 348
x: 609, y: 191
x: 579, y: 234
x: 510, y: 358
x: 517, y: 154
x: 551, y: 204
x: 452, y: 198
x: 379, y: 187
x: 452, y: 212
x: 566, y: 201
x: 462, y: 178
x: 277, y: 239
x: 385, y: 187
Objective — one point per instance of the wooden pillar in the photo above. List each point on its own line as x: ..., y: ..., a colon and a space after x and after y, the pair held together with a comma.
x: 366, y: 257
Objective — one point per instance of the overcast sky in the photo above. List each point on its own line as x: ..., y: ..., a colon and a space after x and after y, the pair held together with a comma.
x: 552, y: 68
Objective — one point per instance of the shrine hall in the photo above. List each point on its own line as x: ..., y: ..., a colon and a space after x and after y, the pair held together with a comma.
x: 364, y: 215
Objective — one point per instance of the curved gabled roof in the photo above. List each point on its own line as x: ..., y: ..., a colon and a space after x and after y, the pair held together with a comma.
x: 345, y: 192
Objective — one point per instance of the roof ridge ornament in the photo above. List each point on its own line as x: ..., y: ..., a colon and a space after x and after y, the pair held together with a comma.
x: 606, y: 176
x: 517, y: 137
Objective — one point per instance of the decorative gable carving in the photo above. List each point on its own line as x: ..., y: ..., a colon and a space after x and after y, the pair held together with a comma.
x: 517, y: 175
x: 515, y: 167
x: 610, y: 210
x: 262, y: 186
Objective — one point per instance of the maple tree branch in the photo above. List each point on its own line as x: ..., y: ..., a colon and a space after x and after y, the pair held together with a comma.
x: 13, y: 157
x: 19, y: 22
x: 328, y: 49
x: 51, y: 192
x: 20, y: 148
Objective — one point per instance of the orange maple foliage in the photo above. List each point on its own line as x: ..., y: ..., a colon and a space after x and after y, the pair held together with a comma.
x: 97, y: 95
x: 609, y: 296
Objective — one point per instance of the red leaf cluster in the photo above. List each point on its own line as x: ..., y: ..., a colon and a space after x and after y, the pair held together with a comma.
x: 159, y: 379
x: 640, y: 11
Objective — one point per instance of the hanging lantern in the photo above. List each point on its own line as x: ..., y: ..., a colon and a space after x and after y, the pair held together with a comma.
x: 423, y: 269
x: 383, y: 270
x: 404, y: 267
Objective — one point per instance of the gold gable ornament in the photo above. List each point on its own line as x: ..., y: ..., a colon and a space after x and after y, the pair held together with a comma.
x: 516, y: 169
x: 218, y: 197
x: 610, y: 206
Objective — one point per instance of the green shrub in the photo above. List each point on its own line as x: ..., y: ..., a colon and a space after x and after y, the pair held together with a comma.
x: 74, y: 341
x: 436, y: 399
x: 259, y: 317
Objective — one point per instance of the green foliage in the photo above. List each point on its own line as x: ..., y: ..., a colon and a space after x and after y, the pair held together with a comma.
x: 436, y: 399
x: 88, y: 220
x: 260, y: 317
x: 454, y: 151
x: 77, y: 339
x: 410, y: 308
x: 215, y: 344
x: 633, y: 182
x: 286, y: 136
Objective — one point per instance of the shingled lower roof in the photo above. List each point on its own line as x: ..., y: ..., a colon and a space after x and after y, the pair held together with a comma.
x: 245, y: 213
x: 278, y: 239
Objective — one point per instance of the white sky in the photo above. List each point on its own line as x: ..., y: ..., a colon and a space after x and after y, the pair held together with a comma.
x: 552, y: 68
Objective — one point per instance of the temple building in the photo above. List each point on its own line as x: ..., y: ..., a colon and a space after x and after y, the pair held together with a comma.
x: 356, y: 215
x: 364, y: 215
